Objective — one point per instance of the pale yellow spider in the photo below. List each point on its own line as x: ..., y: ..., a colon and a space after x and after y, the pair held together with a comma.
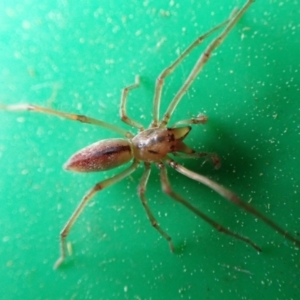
x: 153, y: 145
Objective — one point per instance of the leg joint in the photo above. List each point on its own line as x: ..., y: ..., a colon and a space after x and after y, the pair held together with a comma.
x: 166, y: 189
x: 154, y: 223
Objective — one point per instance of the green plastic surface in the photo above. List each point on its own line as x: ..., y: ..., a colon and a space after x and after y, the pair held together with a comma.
x: 88, y: 51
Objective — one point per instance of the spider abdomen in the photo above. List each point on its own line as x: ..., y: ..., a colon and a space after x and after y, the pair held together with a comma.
x: 100, y: 156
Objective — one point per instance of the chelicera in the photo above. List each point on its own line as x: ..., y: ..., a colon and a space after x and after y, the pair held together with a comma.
x: 154, y: 145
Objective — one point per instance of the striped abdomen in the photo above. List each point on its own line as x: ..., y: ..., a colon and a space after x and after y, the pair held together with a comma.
x: 100, y: 156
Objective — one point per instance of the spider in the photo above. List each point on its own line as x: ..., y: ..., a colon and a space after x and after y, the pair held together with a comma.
x: 154, y: 145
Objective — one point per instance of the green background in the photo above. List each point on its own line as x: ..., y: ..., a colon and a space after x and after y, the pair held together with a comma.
x: 88, y: 51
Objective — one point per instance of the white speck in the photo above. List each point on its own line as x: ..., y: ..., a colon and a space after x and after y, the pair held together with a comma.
x: 164, y: 13
x: 5, y: 239
x: 18, y: 55
x: 10, y: 12
x: 9, y: 263
x: 138, y: 32
x: 26, y: 24
x: 20, y: 119
x: 24, y: 172
x: 98, y: 12
x: 160, y: 42
x: 109, y: 61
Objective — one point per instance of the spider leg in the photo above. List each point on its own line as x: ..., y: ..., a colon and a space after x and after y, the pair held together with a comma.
x: 200, y: 119
x: 202, y: 61
x: 142, y: 190
x: 231, y: 197
x: 169, y: 70
x: 123, y: 114
x: 213, y: 157
x: 168, y: 190
x: 90, y: 194
x: 74, y: 117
